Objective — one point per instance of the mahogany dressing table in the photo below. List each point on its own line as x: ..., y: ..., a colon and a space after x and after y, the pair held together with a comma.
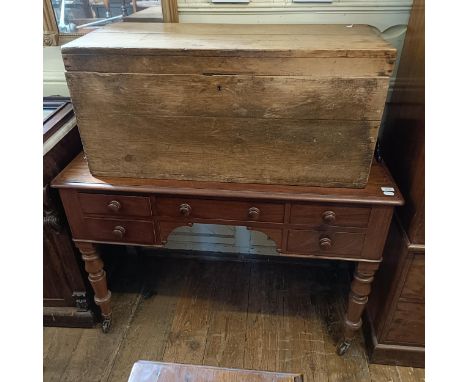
x: 312, y: 222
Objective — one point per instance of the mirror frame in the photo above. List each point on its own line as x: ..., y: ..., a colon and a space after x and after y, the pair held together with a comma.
x: 52, y: 36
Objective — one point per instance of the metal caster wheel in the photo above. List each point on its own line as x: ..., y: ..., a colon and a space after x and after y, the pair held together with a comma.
x: 147, y: 293
x: 106, y: 325
x: 343, y: 347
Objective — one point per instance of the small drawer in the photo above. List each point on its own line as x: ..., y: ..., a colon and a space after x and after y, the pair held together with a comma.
x: 114, y: 205
x: 311, y: 242
x: 413, y: 288
x: 219, y: 210
x: 330, y: 214
x: 117, y: 230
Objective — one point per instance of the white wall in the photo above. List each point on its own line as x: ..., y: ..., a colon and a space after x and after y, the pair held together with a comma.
x: 382, y: 14
x: 53, y: 81
x: 389, y: 17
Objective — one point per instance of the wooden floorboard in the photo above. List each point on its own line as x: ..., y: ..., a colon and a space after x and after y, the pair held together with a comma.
x: 59, y: 345
x: 264, y: 316
x: 331, y: 300
x: 227, y: 329
x: 93, y: 357
x: 301, y: 335
x: 420, y: 374
x: 265, y: 312
x: 384, y: 373
x: 409, y: 374
x: 148, y: 333
x: 188, y: 334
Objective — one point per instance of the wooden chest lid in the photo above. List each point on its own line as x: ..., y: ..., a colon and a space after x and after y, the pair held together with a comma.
x: 230, y: 40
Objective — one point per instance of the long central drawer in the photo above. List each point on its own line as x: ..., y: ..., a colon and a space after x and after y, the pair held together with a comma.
x: 181, y: 208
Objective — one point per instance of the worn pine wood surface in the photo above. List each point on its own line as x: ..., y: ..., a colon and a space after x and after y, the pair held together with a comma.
x: 234, y: 40
x: 269, y: 66
x: 230, y: 128
x: 227, y: 96
x: 253, y: 49
x: 274, y: 317
x: 297, y: 104
x: 205, y: 140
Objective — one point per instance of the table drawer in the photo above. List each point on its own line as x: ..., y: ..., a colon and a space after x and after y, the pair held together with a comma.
x: 330, y: 214
x: 311, y: 242
x: 114, y: 205
x: 220, y: 210
x: 118, y: 230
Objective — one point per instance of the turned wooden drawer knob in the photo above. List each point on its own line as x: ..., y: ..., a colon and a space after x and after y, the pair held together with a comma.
x: 185, y: 209
x: 325, y: 243
x: 254, y: 213
x: 118, y: 231
x: 329, y: 217
x: 114, y: 205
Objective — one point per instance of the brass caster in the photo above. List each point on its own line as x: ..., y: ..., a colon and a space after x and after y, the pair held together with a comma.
x: 342, y: 347
x: 106, y: 325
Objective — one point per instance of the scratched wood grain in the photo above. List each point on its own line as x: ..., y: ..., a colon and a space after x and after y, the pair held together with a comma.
x: 235, y: 96
x: 265, y: 312
x: 234, y: 40
x: 149, y: 331
x: 188, y: 334
x: 271, y: 89
x: 228, y: 325
x: 327, y: 153
x: 317, y: 67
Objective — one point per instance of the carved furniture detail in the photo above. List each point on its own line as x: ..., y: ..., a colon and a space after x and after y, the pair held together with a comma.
x: 65, y: 298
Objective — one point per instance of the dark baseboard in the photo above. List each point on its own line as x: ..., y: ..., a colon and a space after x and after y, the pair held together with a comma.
x: 67, y: 317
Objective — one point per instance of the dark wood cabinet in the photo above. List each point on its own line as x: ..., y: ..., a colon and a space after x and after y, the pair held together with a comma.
x: 65, y: 296
x: 395, y: 325
x: 395, y: 313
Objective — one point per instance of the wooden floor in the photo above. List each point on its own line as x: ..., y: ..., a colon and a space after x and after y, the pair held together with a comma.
x: 264, y: 316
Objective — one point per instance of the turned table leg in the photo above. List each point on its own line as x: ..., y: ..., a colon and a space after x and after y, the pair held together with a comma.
x: 97, y: 277
x: 358, y: 296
